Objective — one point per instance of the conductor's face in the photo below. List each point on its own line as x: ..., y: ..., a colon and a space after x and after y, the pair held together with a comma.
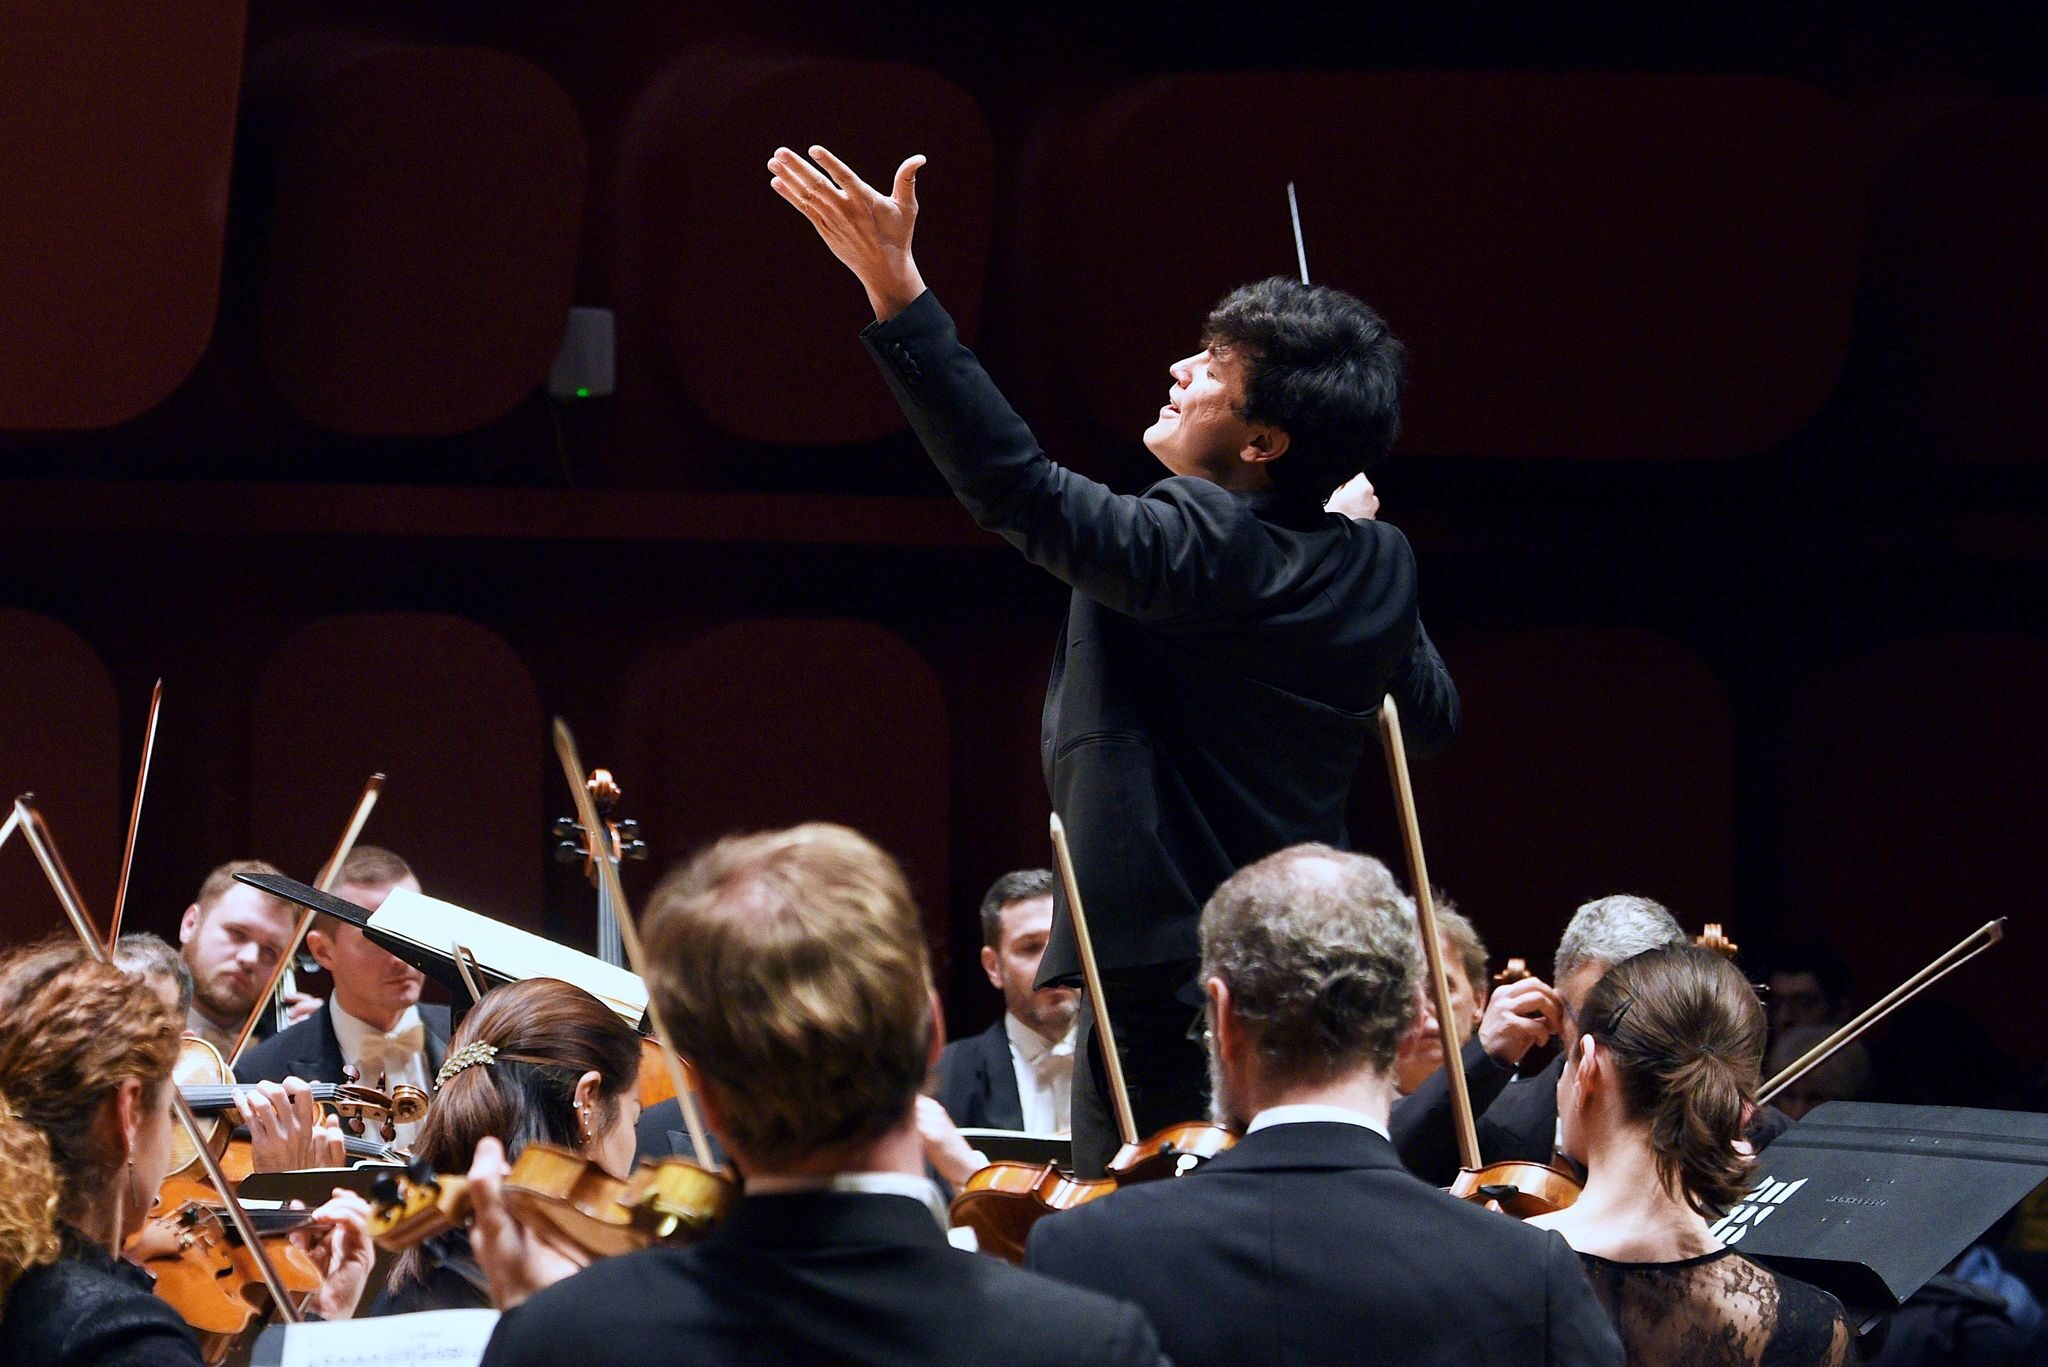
x: 1201, y: 432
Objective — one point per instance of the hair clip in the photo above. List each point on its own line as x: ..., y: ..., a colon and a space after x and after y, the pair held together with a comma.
x: 468, y: 1056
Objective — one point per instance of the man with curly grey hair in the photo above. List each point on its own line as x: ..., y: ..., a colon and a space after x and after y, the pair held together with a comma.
x: 1311, y: 970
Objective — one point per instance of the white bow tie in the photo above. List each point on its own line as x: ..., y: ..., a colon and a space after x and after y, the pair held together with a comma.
x: 390, y: 1054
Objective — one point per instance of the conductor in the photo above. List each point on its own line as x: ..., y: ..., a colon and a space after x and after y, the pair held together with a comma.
x: 1229, y: 636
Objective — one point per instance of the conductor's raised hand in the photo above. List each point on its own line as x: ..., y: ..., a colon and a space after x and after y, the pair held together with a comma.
x: 867, y: 230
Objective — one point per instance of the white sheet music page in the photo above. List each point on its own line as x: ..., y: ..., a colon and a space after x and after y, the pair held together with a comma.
x: 508, y: 950
x: 431, y: 1338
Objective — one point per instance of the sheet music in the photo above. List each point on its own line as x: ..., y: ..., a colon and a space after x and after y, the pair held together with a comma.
x: 507, y: 951
x: 431, y: 1338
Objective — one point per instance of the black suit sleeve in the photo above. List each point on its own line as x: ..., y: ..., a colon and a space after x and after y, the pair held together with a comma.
x: 1423, y: 1125
x: 1427, y: 698
x: 1184, y: 548
x: 1577, y: 1332
x: 1130, y: 1342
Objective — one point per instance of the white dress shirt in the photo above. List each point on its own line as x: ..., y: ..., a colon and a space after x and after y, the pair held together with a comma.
x: 1311, y: 1114
x: 1045, y: 1077
x: 399, y: 1054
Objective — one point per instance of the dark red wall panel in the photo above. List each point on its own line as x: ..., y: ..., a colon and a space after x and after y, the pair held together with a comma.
x: 757, y: 322
x: 120, y: 123
x: 770, y: 723
x: 1582, y: 266
x: 421, y: 251
x: 60, y: 738
x: 448, y: 713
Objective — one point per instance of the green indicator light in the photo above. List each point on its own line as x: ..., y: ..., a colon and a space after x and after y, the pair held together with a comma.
x: 582, y: 391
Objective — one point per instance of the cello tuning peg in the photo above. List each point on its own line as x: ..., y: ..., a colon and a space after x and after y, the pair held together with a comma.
x: 633, y: 849
x: 384, y: 1191
x: 629, y: 829
x: 565, y: 828
x: 569, y: 852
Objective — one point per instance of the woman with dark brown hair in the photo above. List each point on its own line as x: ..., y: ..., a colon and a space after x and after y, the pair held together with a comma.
x: 1659, y: 1079
x: 535, y: 1060
x: 85, y: 1141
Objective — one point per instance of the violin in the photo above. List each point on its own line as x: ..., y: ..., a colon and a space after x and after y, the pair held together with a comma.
x: 664, y: 1201
x: 209, y: 1089
x: 1002, y: 1201
x: 1518, y: 1188
x: 204, y: 1271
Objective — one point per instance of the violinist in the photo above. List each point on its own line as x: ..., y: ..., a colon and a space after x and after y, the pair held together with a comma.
x: 1521, y: 1121
x: 1308, y: 1242
x: 1227, y: 639
x: 534, y: 1060
x: 373, y: 1021
x: 1019, y: 1073
x: 1653, y: 1095
x: 230, y: 938
x: 286, y: 1129
x: 85, y: 1138
x: 790, y: 968
x: 1518, y: 1018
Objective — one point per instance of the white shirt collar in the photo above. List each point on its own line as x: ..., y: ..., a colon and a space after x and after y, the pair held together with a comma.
x: 1313, y: 1114
x: 350, y: 1031
x: 920, y: 1189
x: 1033, y: 1046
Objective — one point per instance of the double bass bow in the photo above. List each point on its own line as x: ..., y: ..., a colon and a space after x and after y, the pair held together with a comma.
x: 1002, y: 1201
x: 1518, y: 1188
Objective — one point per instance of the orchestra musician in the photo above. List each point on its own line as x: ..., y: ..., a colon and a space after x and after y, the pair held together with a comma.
x: 1227, y: 640
x: 1517, y: 1115
x: 1653, y: 1094
x: 374, y: 1021
x: 1308, y: 1242
x: 1516, y: 1018
x: 791, y: 969
x: 1018, y: 1074
x: 85, y: 1140
x: 231, y: 937
x: 535, y: 1060
x: 287, y: 1130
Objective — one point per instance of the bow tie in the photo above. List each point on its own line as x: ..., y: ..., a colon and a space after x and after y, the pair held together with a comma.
x: 392, y: 1054
x: 1064, y: 1049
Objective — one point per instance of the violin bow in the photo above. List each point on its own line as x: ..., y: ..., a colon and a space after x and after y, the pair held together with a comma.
x: 44, y: 845
x: 1112, y: 1063
x: 1300, y: 247
x: 156, y: 703
x: 1432, y: 947
x: 1971, y: 945
x: 330, y: 872
x: 629, y: 936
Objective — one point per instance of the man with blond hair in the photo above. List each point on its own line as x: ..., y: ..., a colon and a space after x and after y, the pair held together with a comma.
x: 1309, y: 1243
x: 791, y: 968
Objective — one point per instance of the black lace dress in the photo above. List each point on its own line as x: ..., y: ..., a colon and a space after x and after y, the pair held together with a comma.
x: 1718, y: 1310
x: 87, y: 1310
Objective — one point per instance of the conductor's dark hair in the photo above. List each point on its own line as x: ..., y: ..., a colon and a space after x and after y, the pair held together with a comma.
x: 1322, y: 367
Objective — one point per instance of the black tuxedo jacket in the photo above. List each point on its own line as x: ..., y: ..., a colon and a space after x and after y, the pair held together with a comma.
x: 822, y: 1277
x: 1222, y: 660
x: 308, y: 1050
x: 1310, y: 1244
x: 1520, y: 1122
x: 978, y: 1081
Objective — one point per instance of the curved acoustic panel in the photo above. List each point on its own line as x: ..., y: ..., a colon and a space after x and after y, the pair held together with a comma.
x: 758, y: 323
x: 442, y: 707
x: 421, y: 251
x: 762, y: 724
x: 60, y: 738
x: 1953, y: 332
x: 1914, y: 814
x: 120, y: 122
x: 1590, y: 762
x: 1581, y: 265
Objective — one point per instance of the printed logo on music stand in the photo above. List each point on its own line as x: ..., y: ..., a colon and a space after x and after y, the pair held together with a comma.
x: 1752, y: 1210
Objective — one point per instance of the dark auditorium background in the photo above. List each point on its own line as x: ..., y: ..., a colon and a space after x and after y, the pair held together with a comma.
x: 1724, y: 456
